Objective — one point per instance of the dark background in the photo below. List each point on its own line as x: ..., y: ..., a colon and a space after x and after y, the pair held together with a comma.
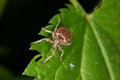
x: 19, y: 25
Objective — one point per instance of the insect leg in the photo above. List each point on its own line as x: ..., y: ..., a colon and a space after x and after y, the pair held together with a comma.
x: 48, y: 31
x: 61, y: 53
x: 44, y: 39
x: 48, y: 58
x: 68, y: 44
x: 57, y: 24
x: 53, y: 53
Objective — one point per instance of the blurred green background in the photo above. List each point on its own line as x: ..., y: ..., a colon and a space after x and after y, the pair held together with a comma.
x: 20, y: 22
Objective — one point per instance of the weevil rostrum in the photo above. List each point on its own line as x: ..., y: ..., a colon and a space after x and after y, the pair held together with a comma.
x: 61, y: 36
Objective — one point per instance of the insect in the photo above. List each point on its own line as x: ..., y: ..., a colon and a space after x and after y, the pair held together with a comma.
x: 61, y: 36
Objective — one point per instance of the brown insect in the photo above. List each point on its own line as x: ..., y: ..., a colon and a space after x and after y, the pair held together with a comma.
x: 61, y: 36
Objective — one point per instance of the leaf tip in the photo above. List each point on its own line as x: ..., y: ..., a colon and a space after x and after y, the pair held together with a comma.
x: 75, y: 3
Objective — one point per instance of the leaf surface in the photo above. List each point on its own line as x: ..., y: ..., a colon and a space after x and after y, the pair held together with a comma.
x: 95, y: 50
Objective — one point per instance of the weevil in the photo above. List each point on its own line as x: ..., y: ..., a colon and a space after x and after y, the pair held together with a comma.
x: 61, y: 36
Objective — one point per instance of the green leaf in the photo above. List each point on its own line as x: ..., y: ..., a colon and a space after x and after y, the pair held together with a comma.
x: 95, y: 50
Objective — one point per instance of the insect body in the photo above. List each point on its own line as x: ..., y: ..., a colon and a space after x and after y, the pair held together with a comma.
x: 61, y: 36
